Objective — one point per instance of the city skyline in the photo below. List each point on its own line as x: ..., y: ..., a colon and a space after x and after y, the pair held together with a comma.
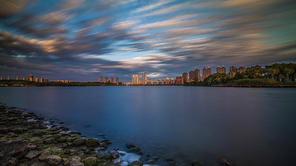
x: 82, y: 40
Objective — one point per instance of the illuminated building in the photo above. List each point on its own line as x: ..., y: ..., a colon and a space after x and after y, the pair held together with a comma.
x: 36, y: 80
x: 221, y: 69
x: 112, y: 80
x: 100, y: 80
x: 117, y: 80
x: 135, y: 79
x: 144, y: 78
x: 172, y: 81
x: 30, y: 77
x: 148, y: 81
x: 106, y: 79
x: 179, y: 80
x: 206, y: 72
x: 185, y: 77
x: 167, y: 80
x: 197, y: 75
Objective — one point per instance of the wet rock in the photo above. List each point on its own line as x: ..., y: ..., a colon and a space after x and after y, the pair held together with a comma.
x: 71, y: 160
x: 130, y: 145
x: 53, y: 159
x: 196, y: 164
x: 225, y: 162
x: 62, y: 139
x: 71, y: 139
x: 104, y: 145
x: 155, y: 158
x: 8, y: 161
x: 14, y: 149
x: 39, y: 164
x: 150, y: 162
x: 100, y: 155
x: 44, y: 155
x: 136, y: 163
x: 51, y: 141
x: 32, y: 154
x: 75, y: 132
x: 3, y: 130
x: 133, y: 150
x: 65, y: 128
x: 77, y: 164
x: 79, y: 142
x: 114, y: 154
x: 31, y: 147
x: 92, y: 142
x: 90, y: 161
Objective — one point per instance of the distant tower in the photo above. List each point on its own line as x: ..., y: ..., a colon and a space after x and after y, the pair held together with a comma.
x: 112, y: 80
x: 7, y: 77
x: 185, y: 77
x: 16, y: 77
x: 36, y: 80
x: 106, y: 79
x: 144, y: 78
x: 197, y: 75
x: 30, y: 77
x: 1, y: 77
x: 172, y: 81
x: 100, y: 79
x: 206, y: 72
x: 167, y: 80
x: 117, y: 80
x: 232, y: 71
x: 135, y: 79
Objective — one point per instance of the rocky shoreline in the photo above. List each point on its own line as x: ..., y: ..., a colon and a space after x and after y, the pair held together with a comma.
x: 27, y: 139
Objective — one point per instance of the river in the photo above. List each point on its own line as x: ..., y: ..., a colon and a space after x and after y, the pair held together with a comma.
x: 247, y: 126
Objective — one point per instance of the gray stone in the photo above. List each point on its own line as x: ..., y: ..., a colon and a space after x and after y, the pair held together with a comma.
x: 44, y: 155
x: 71, y: 160
x: 53, y: 159
x: 32, y: 154
x: 114, y: 154
x: 79, y: 142
x: 8, y: 161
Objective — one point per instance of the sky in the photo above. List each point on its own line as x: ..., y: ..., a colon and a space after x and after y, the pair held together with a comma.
x: 81, y: 40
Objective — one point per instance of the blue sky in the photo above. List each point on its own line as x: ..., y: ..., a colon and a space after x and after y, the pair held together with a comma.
x: 81, y: 40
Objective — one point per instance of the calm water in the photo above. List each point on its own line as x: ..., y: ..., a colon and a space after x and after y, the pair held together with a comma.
x: 248, y: 126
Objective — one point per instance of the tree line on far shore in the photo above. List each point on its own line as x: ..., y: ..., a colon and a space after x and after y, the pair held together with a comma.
x: 275, y: 74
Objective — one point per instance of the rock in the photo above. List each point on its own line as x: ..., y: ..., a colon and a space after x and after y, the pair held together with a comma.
x: 114, y: 154
x: 79, y: 142
x: 44, y: 155
x: 53, y: 159
x: 8, y: 161
x: 104, y: 145
x: 15, y: 149
x: 3, y: 130
x: 150, y: 162
x: 135, y: 163
x: 196, y: 164
x: 100, y: 155
x: 32, y: 154
x: 90, y: 161
x: 133, y: 150
x: 50, y: 141
x: 92, y: 142
x: 155, y: 158
x: 62, y: 139
x: 75, y: 132
x: 77, y: 164
x: 71, y: 160
x: 31, y: 147
x: 130, y: 145
x: 225, y: 162
x: 39, y: 164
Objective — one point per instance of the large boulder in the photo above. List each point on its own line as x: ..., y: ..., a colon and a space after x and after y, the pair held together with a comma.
x: 79, y: 142
x: 15, y: 149
x: 71, y: 160
x: 44, y: 155
x: 53, y: 159
x: 8, y: 161
x: 32, y: 154
x: 136, y: 163
x: 90, y: 161
x: 92, y: 142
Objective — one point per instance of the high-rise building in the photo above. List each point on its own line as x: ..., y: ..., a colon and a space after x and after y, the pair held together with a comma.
x: 241, y: 69
x: 24, y: 79
x: 149, y: 81
x: 100, y: 79
x: 179, y: 80
x: 7, y: 77
x: 117, y: 80
x: 221, y: 69
x: 106, y: 79
x: 17, y: 78
x: 185, y: 77
x: 206, y: 72
x: 36, y: 80
x: 30, y: 77
x: 196, y: 75
x: 192, y: 76
x: 144, y: 78
x: 167, y: 80
x: 172, y: 81
x: 111, y: 80
x: 135, y: 79
x: 232, y: 71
